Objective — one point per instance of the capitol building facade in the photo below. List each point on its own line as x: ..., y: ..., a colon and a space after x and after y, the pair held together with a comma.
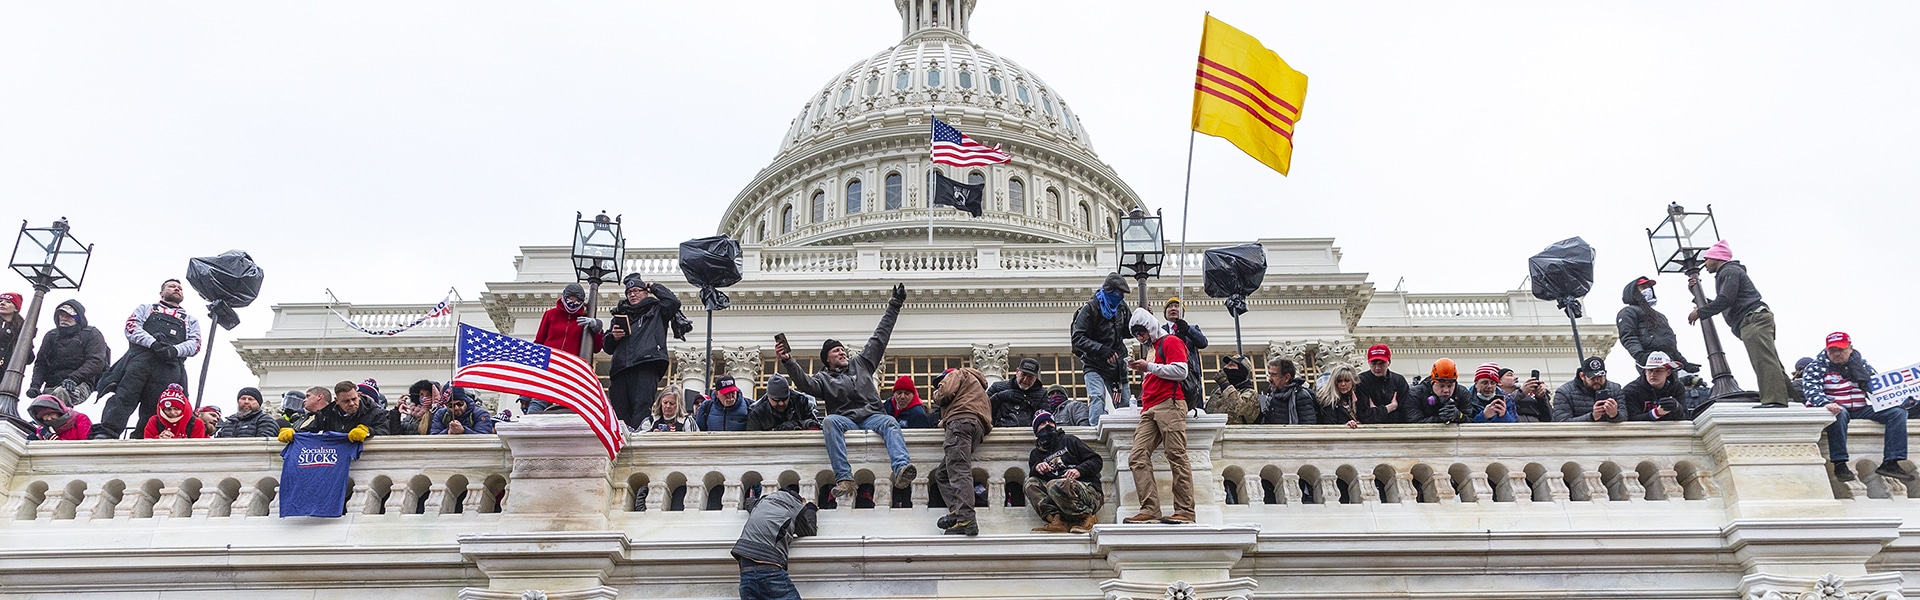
x: 1738, y: 504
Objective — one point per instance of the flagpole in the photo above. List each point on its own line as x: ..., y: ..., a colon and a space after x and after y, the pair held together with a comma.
x: 929, y: 204
x: 1185, y: 195
x: 1186, y: 192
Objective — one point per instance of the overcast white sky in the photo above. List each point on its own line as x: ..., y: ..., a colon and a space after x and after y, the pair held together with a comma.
x: 388, y: 150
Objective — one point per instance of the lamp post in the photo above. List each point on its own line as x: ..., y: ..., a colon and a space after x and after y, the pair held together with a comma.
x: 1678, y: 243
x: 1141, y: 248
x: 598, y: 250
x: 50, y: 259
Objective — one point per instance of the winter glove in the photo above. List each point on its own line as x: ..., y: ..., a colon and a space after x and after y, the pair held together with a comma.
x: 286, y: 435
x: 165, y: 351
x: 1448, y: 413
x: 357, y: 434
x: 899, y: 295
x: 590, y: 324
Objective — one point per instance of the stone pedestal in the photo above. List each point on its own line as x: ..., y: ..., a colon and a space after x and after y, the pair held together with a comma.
x: 553, y: 541
x: 1807, y: 549
x: 550, y: 566
x: 1116, y: 431
x: 1187, y: 562
x: 560, y: 478
x: 1768, y: 461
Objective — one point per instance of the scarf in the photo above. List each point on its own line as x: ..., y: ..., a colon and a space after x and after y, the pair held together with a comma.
x: 1110, y: 302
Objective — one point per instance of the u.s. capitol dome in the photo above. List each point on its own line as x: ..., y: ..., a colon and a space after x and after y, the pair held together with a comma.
x: 853, y: 165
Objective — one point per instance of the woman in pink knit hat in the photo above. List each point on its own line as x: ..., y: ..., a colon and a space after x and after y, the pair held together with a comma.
x: 1738, y: 302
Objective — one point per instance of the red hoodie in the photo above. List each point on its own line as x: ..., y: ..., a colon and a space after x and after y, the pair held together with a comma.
x: 188, y: 426
x: 559, y: 329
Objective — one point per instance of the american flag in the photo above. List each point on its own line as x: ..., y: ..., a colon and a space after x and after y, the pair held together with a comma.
x: 489, y: 361
x: 950, y: 147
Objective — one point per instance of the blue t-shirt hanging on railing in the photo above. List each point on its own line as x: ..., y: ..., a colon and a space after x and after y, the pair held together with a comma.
x: 313, y: 474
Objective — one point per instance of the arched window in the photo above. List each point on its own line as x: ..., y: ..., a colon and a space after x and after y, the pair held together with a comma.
x: 1053, y: 203
x: 1111, y: 228
x: 974, y: 178
x: 873, y: 84
x: 902, y: 79
x: 993, y: 84
x: 966, y: 79
x: 1016, y: 196
x: 760, y: 233
x: 819, y: 206
x: 786, y: 219
x: 1086, y: 217
x: 893, y: 191
x: 853, y: 197
x: 933, y: 77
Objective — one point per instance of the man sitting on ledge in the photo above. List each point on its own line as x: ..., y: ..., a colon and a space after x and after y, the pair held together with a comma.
x: 852, y: 400
x: 1837, y: 381
x: 1063, y: 484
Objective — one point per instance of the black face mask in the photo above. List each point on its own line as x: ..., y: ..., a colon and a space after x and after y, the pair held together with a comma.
x: 1050, y: 437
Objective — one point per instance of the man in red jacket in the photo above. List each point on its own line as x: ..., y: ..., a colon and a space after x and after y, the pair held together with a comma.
x: 1163, y: 420
x: 561, y: 328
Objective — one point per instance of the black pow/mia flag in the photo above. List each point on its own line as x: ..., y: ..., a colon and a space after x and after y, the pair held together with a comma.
x: 947, y: 192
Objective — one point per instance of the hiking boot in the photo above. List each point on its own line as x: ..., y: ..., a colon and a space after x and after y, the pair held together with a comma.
x: 903, y: 476
x: 1893, y: 469
x: 1054, y: 525
x: 1085, y: 524
x: 948, y: 521
x: 844, y: 491
x: 1842, y: 472
x: 1178, y: 520
x: 968, y: 527
x: 1143, y: 517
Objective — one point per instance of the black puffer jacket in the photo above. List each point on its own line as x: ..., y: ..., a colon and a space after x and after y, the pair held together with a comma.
x: 78, y: 352
x: 1425, y: 407
x: 332, y: 419
x: 1097, y: 338
x: 1639, y: 398
x: 250, y: 425
x: 1644, y: 330
x: 1291, y: 404
x: 1014, y: 406
x: 646, y: 339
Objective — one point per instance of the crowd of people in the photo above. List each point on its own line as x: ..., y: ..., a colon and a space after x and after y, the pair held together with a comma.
x: 72, y: 364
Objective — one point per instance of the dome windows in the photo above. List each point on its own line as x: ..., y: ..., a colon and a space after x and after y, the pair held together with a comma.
x: 786, y: 219
x: 893, y: 201
x: 873, y: 84
x: 933, y: 77
x: 975, y: 178
x: 966, y: 79
x: 1048, y: 103
x: 1016, y: 196
x: 1085, y: 216
x: 1053, y: 203
x: 1020, y: 92
x: 853, y: 197
x: 902, y: 80
x: 846, y: 94
x: 760, y: 233
x: 993, y: 85
x: 819, y: 206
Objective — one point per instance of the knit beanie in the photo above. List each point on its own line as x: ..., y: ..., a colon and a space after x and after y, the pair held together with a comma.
x: 828, y: 346
x: 1041, y: 416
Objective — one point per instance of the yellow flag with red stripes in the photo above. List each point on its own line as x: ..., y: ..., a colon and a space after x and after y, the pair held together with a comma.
x: 1246, y: 94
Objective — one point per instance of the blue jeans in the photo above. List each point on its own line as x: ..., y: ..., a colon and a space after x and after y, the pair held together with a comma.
x: 767, y: 585
x: 1895, y: 419
x: 1097, y: 397
x: 835, y: 431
